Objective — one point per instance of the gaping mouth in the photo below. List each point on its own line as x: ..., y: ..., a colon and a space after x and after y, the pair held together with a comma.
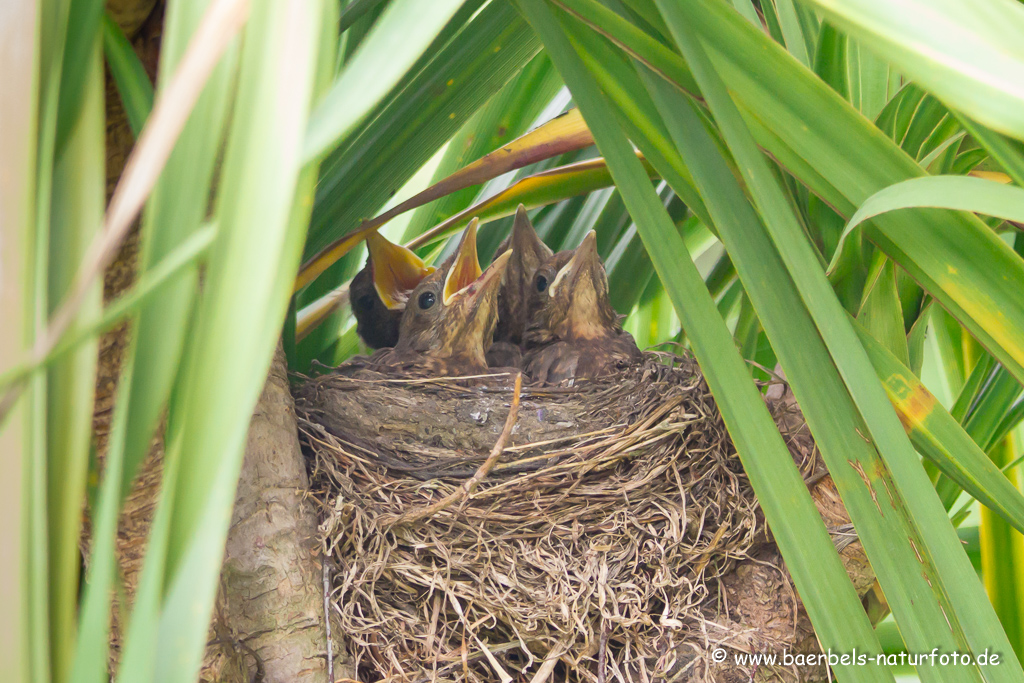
x: 488, y: 280
x: 466, y: 269
x: 396, y: 270
x: 582, y: 260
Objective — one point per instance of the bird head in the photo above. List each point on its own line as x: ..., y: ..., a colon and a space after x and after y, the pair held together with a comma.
x: 380, y: 290
x: 452, y: 313
x: 396, y: 271
x: 569, y: 296
x: 528, y: 253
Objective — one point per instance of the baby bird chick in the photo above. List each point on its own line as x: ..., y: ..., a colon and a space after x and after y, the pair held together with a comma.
x: 449, y: 320
x: 574, y: 332
x: 380, y: 290
x: 528, y: 253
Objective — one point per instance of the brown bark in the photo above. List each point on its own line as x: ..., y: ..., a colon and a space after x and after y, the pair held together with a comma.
x: 270, y: 612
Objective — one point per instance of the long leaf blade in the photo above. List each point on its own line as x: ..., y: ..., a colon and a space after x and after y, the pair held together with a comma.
x: 755, y: 436
x: 398, y: 39
x: 959, y: 590
x: 939, y: 437
x: 970, y: 56
x: 958, y: 193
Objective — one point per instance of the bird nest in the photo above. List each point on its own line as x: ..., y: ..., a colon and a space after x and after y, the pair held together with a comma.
x: 586, y: 538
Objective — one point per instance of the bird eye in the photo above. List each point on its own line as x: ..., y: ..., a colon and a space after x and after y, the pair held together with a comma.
x: 542, y: 283
x: 365, y: 302
x: 427, y: 300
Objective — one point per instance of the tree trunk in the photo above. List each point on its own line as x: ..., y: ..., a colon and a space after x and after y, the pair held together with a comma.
x: 270, y: 611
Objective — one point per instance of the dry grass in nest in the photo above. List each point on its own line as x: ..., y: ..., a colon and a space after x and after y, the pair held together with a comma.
x: 590, y: 552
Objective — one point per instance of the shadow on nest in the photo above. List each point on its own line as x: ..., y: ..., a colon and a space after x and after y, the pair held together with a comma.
x: 600, y: 546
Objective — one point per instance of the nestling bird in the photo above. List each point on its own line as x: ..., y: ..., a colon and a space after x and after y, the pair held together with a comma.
x: 380, y: 290
x: 528, y: 253
x: 450, y: 317
x: 574, y: 332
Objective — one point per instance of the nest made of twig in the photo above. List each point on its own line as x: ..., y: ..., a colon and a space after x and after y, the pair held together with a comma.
x: 590, y: 552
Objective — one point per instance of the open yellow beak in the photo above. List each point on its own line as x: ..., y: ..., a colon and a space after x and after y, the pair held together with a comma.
x: 396, y: 270
x: 466, y: 268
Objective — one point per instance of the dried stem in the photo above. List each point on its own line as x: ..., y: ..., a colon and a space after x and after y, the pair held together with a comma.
x: 221, y: 22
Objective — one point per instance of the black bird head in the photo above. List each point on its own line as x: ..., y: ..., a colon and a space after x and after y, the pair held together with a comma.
x: 380, y: 290
x: 528, y: 253
x: 451, y: 315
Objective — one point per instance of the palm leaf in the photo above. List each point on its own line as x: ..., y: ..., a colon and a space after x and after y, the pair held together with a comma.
x: 765, y: 457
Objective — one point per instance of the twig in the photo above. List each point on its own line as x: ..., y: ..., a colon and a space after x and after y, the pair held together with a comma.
x: 468, y: 486
x: 327, y: 619
x: 544, y: 672
x: 602, y: 652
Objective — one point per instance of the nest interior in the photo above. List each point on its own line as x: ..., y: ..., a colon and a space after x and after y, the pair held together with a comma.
x: 594, y: 550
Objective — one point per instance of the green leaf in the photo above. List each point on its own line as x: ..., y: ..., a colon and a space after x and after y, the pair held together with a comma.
x: 881, y: 313
x: 235, y: 329
x: 792, y: 31
x: 830, y: 413
x: 91, y: 654
x: 959, y: 193
x: 629, y: 271
x: 1002, y: 559
x: 632, y: 103
x: 127, y: 303
x: 747, y: 9
x: 19, y: 108
x: 952, y: 591
x: 629, y: 266
x: 79, y: 193
x: 563, y: 134
x: 868, y: 78
x: 129, y: 75
x: 781, y: 492
x: 509, y: 114
x: 854, y: 157
x: 990, y: 406
x: 356, y: 9
x: 747, y: 328
x: 941, y: 439
x: 949, y: 342
x: 84, y: 24
x: 830, y: 59
x: 1007, y: 152
x: 402, y: 34
x: 535, y: 190
x: 175, y: 210
x: 970, y: 56
x: 359, y: 177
